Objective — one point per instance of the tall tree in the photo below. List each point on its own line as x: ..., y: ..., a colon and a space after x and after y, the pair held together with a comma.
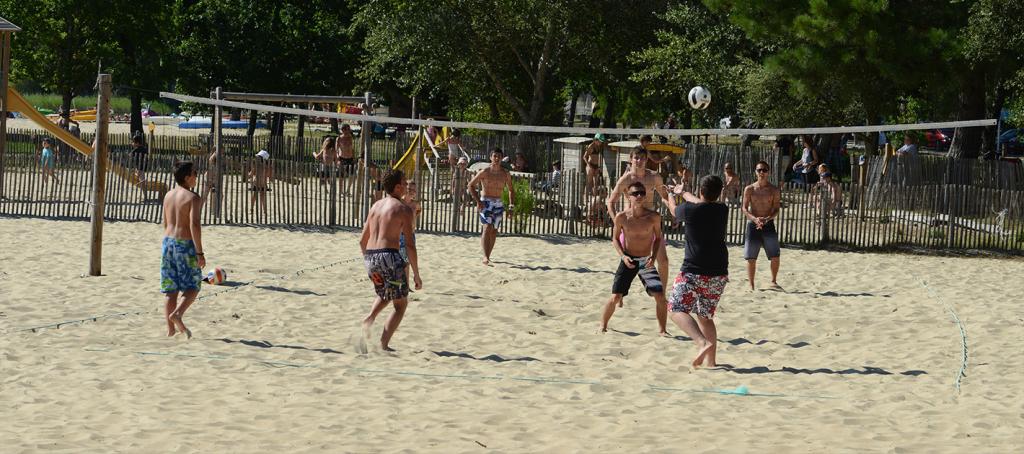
x: 468, y: 50
x: 715, y: 54
x: 143, y: 61
x: 61, y: 45
x: 863, y: 53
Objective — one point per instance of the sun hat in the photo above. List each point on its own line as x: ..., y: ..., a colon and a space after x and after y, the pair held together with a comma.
x: 599, y: 136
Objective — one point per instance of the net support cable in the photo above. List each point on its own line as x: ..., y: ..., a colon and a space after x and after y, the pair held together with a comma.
x: 582, y: 131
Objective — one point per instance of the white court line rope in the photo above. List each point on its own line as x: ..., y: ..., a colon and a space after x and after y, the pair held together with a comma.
x: 963, y: 335
x: 570, y: 131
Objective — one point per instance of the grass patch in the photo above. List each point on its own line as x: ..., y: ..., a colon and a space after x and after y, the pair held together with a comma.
x: 120, y: 104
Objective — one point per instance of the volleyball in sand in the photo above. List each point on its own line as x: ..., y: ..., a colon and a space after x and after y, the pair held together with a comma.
x: 216, y: 276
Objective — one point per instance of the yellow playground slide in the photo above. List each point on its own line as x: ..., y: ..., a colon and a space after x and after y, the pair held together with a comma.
x: 18, y: 103
x: 407, y: 163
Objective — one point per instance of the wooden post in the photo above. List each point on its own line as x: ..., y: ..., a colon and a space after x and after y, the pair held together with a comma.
x: 218, y: 150
x: 367, y: 132
x: 99, y: 175
x: 5, y: 68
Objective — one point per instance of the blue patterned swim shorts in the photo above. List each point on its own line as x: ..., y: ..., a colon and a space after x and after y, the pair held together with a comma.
x: 493, y: 211
x: 179, y: 266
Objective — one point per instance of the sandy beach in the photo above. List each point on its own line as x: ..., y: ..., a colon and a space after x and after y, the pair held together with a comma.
x: 862, y: 352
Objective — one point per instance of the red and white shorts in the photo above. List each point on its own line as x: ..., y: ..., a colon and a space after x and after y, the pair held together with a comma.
x: 696, y: 293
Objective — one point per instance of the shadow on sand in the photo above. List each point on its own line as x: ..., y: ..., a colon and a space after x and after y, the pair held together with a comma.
x: 495, y: 358
x: 266, y: 344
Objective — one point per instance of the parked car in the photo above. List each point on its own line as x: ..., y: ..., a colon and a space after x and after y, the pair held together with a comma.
x: 938, y: 139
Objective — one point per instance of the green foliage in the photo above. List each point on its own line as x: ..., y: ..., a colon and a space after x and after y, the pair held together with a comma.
x: 937, y: 233
x: 715, y: 54
x: 1020, y: 236
x: 524, y: 203
x: 61, y: 42
x: 120, y: 104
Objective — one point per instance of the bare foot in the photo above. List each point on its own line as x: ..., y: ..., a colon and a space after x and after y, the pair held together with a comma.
x: 664, y: 334
x: 620, y: 303
x: 776, y: 287
x: 176, y: 319
x: 603, y: 329
x: 386, y: 348
x: 701, y: 354
x: 171, y: 331
x: 487, y: 262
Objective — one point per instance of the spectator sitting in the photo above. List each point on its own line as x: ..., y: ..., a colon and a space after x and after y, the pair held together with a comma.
x: 597, y: 211
x: 554, y: 180
x: 520, y: 164
x: 909, y: 148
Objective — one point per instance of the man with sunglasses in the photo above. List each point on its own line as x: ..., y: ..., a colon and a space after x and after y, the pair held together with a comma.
x: 631, y: 238
x: 761, y: 201
x: 638, y: 173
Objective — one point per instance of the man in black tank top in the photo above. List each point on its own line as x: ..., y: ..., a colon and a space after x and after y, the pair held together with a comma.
x: 705, y: 270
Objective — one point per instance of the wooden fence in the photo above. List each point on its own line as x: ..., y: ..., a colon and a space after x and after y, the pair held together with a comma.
x: 874, y: 216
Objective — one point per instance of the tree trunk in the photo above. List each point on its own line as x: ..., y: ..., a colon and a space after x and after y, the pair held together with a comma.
x: 609, y: 113
x: 967, y: 141
x: 254, y: 117
x: 302, y: 127
x: 65, y: 103
x: 136, y: 113
x: 572, y: 109
x: 492, y: 107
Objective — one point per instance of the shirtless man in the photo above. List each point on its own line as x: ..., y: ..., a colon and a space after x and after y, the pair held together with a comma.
x: 639, y: 173
x: 388, y: 220
x: 593, y: 157
x: 492, y: 180
x: 346, y: 156
x: 328, y: 158
x: 760, y: 205
x: 636, y: 225
x: 182, y: 256
x: 731, y: 191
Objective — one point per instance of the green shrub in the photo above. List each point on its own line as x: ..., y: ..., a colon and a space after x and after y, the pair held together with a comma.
x: 524, y: 203
x: 937, y: 233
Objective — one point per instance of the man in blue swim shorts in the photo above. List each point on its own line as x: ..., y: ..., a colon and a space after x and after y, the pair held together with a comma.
x: 182, y: 256
x: 387, y: 221
x: 492, y: 181
x: 760, y: 205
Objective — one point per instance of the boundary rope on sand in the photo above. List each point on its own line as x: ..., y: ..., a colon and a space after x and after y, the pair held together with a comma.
x: 963, y: 334
x: 739, y: 391
x: 241, y: 286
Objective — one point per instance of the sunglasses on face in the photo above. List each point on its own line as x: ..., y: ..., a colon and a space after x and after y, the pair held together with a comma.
x: 638, y: 193
x: 762, y: 170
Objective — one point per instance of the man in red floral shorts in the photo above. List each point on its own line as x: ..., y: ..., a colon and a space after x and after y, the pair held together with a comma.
x: 705, y: 269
